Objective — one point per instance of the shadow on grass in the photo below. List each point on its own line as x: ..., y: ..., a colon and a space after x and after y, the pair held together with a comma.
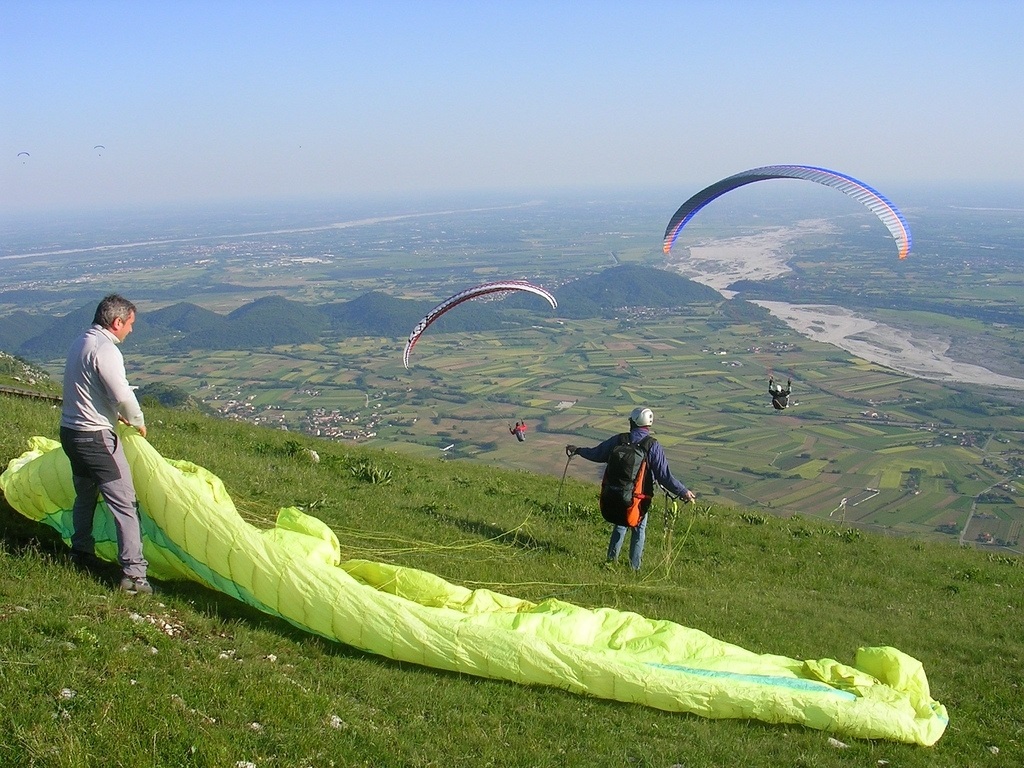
x: 22, y: 535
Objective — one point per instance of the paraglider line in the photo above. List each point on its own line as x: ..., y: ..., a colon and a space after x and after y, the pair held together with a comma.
x: 558, y: 498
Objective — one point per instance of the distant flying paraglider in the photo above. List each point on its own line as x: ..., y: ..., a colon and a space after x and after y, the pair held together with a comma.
x: 858, y: 190
x: 780, y: 396
x: 476, y: 292
x: 519, y: 430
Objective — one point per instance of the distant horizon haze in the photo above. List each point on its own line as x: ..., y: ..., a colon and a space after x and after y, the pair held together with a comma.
x: 109, y: 104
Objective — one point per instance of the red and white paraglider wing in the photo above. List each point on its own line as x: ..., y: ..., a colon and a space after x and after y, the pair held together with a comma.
x: 476, y: 292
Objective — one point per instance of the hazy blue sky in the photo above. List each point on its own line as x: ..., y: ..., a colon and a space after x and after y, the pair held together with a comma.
x: 224, y: 99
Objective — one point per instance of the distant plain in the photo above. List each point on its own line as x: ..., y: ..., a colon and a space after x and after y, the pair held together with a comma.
x: 910, y: 455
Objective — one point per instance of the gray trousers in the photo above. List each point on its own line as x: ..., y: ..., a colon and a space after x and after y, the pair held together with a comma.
x: 99, y: 466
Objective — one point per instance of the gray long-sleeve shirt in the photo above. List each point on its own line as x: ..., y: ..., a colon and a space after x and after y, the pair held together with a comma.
x: 96, y: 388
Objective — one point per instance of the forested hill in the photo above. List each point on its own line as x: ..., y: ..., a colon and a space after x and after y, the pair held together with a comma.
x: 275, y: 320
x: 630, y: 286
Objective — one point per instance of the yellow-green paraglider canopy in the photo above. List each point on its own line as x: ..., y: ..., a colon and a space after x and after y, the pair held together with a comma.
x: 294, y: 570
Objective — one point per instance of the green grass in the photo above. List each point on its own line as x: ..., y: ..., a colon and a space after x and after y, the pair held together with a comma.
x: 90, y: 677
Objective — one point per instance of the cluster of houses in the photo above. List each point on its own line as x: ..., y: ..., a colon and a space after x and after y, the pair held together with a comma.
x: 330, y: 424
x: 336, y: 425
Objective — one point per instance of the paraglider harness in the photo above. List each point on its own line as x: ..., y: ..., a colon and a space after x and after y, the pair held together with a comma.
x: 780, y: 396
x: 519, y: 430
x: 623, y: 492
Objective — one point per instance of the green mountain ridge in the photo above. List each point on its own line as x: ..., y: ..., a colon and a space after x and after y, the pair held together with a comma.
x: 273, y: 319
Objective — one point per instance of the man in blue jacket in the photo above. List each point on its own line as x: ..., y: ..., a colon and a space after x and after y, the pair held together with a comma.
x: 640, y: 421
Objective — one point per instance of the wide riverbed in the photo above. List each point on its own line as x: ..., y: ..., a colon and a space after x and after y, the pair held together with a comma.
x: 763, y: 256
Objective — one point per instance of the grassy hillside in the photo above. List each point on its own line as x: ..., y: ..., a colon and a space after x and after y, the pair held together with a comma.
x: 189, y: 677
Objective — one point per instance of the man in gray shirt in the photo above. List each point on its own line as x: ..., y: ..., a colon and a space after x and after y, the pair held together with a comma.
x: 96, y: 396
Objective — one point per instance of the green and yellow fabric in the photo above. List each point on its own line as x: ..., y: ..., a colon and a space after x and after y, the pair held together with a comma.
x: 294, y: 570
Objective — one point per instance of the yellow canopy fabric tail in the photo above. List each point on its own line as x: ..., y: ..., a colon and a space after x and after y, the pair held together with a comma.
x: 192, y: 531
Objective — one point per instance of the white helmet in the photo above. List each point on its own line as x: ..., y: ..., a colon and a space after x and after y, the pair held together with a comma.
x: 642, y: 417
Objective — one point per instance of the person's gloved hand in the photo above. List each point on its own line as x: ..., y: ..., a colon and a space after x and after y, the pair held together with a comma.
x: 570, y: 450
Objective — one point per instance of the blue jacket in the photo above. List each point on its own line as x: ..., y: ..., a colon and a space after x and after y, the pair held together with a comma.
x: 655, y: 458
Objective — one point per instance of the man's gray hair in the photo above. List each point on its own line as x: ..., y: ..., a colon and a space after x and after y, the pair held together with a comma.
x: 111, y: 308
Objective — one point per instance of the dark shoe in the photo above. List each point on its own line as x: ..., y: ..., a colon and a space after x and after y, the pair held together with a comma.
x: 88, y: 562
x: 136, y: 586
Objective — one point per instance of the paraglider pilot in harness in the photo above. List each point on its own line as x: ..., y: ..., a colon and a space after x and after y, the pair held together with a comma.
x: 519, y: 430
x: 780, y: 396
x: 635, y: 462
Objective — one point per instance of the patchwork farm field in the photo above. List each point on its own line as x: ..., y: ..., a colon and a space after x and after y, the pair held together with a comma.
x: 860, y: 444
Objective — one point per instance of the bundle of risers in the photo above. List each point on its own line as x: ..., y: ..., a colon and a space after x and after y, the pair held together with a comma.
x: 294, y: 571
